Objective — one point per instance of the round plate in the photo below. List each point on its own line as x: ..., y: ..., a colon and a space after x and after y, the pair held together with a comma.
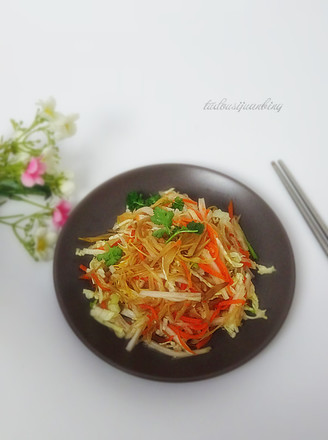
x: 97, y: 213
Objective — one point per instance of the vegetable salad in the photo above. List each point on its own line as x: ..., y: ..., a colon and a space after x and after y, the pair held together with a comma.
x: 171, y: 272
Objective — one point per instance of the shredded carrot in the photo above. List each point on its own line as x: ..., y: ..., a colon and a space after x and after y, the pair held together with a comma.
x: 177, y: 331
x: 83, y: 267
x: 211, y: 232
x: 207, y: 268
x: 213, y: 249
x: 201, y: 344
x: 190, y: 201
x: 223, y: 305
x: 230, y: 209
x: 182, y: 221
x: 199, y: 215
x: 191, y: 320
x: 223, y: 268
x: 153, y: 315
x: 99, y: 284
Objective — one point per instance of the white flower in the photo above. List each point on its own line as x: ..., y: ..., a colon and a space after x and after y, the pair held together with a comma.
x: 45, y: 240
x: 50, y: 158
x: 22, y: 157
x: 64, y: 126
x: 48, y: 109
x: 66, y: 187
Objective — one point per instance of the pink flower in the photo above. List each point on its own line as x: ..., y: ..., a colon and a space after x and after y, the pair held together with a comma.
x: 32, y: 175
x: 60, y: 213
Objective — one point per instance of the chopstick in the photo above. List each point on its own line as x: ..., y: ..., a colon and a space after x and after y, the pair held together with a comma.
x: 311, y: 216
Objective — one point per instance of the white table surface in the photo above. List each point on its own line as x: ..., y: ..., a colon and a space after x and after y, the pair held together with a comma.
x: 139, y: 75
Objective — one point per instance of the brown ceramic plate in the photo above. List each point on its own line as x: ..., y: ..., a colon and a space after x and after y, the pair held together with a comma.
x: 98, y: 211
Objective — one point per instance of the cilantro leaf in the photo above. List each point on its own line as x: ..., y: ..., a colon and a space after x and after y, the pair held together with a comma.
x: 160, y: 232
x: 162, y: 217
x: 195, y: 227
x: 112, y: 256
x: 152, y: 199
x: 192, y: 227
x: 178, y: 204
x: 135, y: 200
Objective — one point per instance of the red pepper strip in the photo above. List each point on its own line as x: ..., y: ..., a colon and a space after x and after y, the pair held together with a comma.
x: 101, y: 248
x: 140, y: 278
x: 132, y: 235
x: 104, y: 304
x: 82, y: 267
x: 116, y: 243
x: 230, y: 209
x: 224, y: 305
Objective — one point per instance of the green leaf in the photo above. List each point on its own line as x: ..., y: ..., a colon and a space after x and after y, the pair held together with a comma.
x: 112, y: 256
x: 134, y: 200
x: 251, y: 250
x: 10, y: 188
x: 162, y: 217
x: 178, y: 204
x: 152, y: 199
x: 198, y: 228
x: 160, y: 232
x: 192, y: 227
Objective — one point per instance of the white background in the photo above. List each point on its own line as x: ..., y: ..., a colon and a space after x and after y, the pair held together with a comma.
x: 139, y: 75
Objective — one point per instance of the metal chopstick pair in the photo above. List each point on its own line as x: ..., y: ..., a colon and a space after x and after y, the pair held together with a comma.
x: 311, y: 216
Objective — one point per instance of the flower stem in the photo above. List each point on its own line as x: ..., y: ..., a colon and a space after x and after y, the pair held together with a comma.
x: 11, y: 216
x: 22, y: 199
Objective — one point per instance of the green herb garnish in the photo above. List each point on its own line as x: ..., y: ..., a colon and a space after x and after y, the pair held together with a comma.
x: 251, y: 250
x: 135, y: 200
x: 163, y: 217
x: 112, y: 256
x: 178, y: 204
x: 192, y: 227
